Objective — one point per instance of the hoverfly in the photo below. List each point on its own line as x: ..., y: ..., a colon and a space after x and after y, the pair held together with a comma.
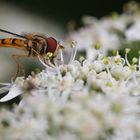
x: 35, y: 45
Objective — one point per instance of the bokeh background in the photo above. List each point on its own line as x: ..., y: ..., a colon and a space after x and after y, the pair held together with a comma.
x: 45, y: 16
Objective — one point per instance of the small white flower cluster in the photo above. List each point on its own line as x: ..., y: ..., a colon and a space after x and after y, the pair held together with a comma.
x: 88, y: 100
x: 109, y: 31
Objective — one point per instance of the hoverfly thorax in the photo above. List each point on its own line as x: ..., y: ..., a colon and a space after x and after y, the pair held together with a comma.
x: 36, y: 45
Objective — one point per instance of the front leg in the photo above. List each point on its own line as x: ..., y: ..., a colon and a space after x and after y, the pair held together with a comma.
x: 16, y: 58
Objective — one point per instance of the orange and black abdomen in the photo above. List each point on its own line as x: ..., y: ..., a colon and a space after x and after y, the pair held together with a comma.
x: 13, y: 43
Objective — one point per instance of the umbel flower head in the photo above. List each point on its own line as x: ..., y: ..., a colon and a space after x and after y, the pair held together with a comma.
x: 92, y: 98
x: 85, y: 99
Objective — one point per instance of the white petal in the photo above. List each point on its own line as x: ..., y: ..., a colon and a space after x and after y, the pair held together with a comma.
x: 4, y: 89
x: 14, y: 92
x: 5, y: 84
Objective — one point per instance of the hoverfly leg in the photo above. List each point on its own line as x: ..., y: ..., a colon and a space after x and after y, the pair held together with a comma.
x: 30, y: 51
x: 16, y: 58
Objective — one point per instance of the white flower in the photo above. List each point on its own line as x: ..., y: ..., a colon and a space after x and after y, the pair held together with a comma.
x: 121, y: 72
x: 98, y: 66
x: 132, y: 34
x: 13, y: 89
x: 92, y: 99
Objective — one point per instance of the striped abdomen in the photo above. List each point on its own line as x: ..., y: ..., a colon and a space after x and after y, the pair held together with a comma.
x: 13, y: 43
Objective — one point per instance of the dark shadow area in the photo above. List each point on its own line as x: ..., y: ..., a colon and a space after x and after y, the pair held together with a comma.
x: 9, y: 104
x: 65, y: 10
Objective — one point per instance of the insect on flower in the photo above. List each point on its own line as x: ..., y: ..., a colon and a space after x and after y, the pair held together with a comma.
x: 34, y: 45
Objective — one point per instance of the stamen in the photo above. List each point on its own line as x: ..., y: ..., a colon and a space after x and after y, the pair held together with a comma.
x: 57, y: 69
x: 127, y: 50
x: 74, y: 55
x: 61, y: 57
x: 74, y: 51
x: 47, y: 63
x: 139, y: 61
x: 109, y: 74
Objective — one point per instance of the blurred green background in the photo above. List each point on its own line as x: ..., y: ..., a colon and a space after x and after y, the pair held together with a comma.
x: 45, y: 16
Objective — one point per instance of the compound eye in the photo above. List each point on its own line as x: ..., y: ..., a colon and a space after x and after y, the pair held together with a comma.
x: 51, y: 45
